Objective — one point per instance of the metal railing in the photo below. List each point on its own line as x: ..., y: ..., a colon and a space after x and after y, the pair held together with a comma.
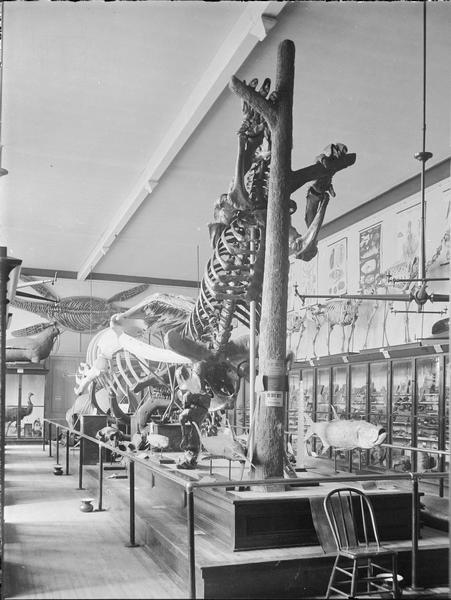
x: 191, y: 486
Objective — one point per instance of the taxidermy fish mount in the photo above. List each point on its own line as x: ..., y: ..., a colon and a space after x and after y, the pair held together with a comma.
x: 345, y: 434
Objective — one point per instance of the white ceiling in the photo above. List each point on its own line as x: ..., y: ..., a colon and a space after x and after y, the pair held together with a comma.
x: 106, y: 111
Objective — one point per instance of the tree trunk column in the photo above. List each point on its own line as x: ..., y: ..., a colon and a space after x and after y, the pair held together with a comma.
x: 269, y: 421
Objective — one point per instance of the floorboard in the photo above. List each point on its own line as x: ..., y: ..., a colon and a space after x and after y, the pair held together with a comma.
x: 53, y: 550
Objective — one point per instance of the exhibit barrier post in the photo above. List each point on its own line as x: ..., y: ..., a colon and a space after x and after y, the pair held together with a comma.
x: 415, y: 522
x: 50, y: 438
x: 191, y: 547
x: 101, y: 452
x: 131, y: 481
x: 80, y: 465
x: 57, y: 445
x: 67, y: 451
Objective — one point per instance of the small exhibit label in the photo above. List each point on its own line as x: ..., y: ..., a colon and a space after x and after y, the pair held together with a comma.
x: 275, y: 368
x: 273, y: 398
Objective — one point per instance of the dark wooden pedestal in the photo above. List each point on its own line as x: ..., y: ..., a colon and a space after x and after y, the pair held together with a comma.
x: 90, y: 425
x: 252, y: 521
x: 251, y: 545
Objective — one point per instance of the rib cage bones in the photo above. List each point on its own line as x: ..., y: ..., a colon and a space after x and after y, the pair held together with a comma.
x: 234, y: 273
x: 233, y: 277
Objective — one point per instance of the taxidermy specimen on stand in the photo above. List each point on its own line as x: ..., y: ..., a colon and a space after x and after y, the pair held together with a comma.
x: 14, y: 414
x: 32, y: 349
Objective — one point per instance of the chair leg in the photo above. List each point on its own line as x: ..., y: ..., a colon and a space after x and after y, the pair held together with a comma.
x: 395, y: 587
x: 332, y: 576
x: 369, y: 574
x: 354, y: 578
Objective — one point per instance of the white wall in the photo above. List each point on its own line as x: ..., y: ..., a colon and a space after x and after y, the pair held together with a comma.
x: 399, y: 229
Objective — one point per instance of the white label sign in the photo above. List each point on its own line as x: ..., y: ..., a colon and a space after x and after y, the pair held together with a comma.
x: 275, y: 368
x: 273, y: 398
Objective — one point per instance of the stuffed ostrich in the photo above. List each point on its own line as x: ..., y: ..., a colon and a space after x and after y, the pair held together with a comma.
x: 14, y: 414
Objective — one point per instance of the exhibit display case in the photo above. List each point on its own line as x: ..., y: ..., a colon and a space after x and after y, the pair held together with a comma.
x: 339, y: 391
x: 378, y: 409
x: 24, y: 410
x: 401, y: 415
x: 404, y: 390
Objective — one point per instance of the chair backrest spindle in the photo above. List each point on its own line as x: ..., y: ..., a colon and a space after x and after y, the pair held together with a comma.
x: 350, y: 513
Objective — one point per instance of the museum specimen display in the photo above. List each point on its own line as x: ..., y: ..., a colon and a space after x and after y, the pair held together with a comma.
x: 199, y: 334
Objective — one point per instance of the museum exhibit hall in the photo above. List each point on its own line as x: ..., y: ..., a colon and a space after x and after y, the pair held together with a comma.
x: 224, y: 299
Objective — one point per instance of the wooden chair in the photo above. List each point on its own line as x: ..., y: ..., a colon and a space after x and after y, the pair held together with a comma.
x: 351, y: 519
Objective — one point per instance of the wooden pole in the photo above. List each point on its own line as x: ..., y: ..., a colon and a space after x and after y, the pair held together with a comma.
x: 269, y: 413
x: 252, y: 346
x: 269, y: 420
x: 6, y: 266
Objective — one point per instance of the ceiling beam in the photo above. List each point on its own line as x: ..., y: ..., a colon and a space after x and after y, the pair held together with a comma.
x: 160, y: 281
x: 252, y: 27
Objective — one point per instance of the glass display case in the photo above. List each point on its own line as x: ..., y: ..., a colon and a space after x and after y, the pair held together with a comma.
x: 308, y: 391
x: 307, y: 394
x: 340, y: 403
x: 339, y: 391
x: 407, y: 395
x: 401, y: 425
x: 322, y: 407
x: 378, y: 414
x: 322, y: 404
x: 24, y: 410
x: 359, y: 392
x: 427, y: 412
x: 359, y: 406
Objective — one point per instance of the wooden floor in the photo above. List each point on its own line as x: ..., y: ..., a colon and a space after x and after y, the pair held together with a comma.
x: 53, y: 550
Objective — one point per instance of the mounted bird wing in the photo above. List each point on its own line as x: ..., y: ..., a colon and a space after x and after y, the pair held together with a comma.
x: 159, y: 312
x: 39, y: 285
x: 127, y: 294
x: 32, y: 329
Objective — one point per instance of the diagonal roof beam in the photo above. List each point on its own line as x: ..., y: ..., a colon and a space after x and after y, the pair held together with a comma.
x: 257, y: 19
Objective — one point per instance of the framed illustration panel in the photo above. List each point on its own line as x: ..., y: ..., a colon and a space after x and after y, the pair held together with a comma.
x: 308, y: 278
x: 337, y: 263
x: 408, y: 234
x: 369, y: 256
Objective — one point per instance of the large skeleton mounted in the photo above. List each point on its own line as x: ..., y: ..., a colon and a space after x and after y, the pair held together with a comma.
x: 189, y: 348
